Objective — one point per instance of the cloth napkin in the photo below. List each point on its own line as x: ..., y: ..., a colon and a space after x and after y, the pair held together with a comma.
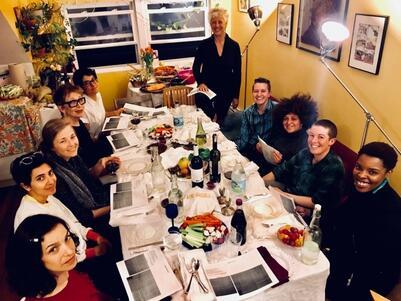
x: 280, y: 272
x: 250, y: 167
x: 227, y: 145
x: 171, y: 156
x: 200, y: 201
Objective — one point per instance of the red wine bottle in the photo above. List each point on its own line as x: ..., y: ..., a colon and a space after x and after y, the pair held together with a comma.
x: 196, y: 169
x: 215, y: 162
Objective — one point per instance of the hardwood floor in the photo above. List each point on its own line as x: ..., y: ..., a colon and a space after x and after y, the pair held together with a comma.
x: 10, y: 198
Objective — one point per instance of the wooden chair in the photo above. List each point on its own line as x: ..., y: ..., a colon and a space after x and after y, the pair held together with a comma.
x: 177, y: 94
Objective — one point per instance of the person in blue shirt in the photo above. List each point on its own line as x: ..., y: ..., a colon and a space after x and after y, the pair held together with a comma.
x: 256, y: 121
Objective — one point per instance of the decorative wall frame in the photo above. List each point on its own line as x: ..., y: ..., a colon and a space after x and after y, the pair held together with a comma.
x: 367, y: 44
x: 285, y: 16
x: 243, y: 5
x: 312, y: 14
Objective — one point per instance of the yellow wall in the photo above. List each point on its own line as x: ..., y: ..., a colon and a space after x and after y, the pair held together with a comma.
x: 292, y: 70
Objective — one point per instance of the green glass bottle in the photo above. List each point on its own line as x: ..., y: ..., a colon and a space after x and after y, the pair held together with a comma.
x: 200, y: 137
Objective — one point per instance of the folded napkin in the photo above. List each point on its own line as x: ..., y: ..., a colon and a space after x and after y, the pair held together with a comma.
x: 227, y: 145
x: 250, y: 168
x: 280, y: 272
x: 200, y: 201
x: 171, y: 157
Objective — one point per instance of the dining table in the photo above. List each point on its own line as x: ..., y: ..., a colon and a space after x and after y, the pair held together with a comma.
x: 306, y: 282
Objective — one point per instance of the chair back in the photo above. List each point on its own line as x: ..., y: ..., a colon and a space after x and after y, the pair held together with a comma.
x: 177, y: 94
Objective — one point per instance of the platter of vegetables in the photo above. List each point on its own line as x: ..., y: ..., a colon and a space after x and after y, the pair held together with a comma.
x: 200, y: 231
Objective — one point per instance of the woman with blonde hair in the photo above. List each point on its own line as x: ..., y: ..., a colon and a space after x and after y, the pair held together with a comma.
x: 217, y: 66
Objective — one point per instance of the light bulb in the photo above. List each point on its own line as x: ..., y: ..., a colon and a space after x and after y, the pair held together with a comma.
x: 334, y: 31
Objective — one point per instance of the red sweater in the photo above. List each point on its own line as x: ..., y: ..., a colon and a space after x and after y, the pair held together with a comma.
x: 79, y: 288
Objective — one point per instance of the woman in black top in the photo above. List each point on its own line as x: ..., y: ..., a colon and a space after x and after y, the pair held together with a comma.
x: 71, y: 104
x: 366, y: 249
x: 291, y: 118
x: 217, y: 66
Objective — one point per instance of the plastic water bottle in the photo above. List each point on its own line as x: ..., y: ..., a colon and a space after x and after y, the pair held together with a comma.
x: 238, y: 181
x: 178, y: 117
x: 313, y: 238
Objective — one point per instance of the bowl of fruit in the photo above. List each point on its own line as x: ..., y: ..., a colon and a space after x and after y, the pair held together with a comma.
x: 200, y: 231
x: 291, y: 236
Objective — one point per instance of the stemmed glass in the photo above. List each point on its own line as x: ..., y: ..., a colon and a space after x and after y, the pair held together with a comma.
x: 172, y: 213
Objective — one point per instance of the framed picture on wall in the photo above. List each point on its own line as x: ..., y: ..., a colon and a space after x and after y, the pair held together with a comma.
x: 285, y: 14
x: 243, y: 5
x: 312, y: 14
x: 367, y: 44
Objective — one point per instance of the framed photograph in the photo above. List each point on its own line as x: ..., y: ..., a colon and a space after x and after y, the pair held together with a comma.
x: 285, y: 14
x: 243, y: 6
x: 312, y: 14
x: 367, y: 44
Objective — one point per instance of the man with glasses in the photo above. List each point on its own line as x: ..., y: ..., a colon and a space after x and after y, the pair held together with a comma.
x: 71, y: 104
x: 95, y: 113
x: 314, y: 175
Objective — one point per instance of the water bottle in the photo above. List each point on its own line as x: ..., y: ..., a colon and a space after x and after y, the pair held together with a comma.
x: 178, y: 117
x: 238, y: 180
x: 313, y: 238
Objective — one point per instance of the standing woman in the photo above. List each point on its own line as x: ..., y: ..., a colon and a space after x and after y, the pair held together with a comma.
x: 40, y: 261
x: 217, y: 66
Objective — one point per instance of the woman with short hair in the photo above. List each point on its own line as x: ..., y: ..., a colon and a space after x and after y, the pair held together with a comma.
x: 366, y: 251
x: 217, y: 66
x: 71, y: 103
x: 40, y: 261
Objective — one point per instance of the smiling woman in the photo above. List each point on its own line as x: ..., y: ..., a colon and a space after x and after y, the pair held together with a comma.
x: 41, y: 259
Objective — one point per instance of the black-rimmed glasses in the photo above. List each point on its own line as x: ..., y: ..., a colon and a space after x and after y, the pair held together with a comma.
x: 89, y: 82
x: 28, y: 160
x: 75, y: 102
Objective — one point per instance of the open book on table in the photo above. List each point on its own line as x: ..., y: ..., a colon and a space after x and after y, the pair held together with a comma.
x: 209, y: 93
x: 268, y: 151
x: 148, y: 276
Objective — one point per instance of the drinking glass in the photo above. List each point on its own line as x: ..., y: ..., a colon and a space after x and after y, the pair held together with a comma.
x: 233, y: 243
x: 112, y: 167
x: 172, y: 213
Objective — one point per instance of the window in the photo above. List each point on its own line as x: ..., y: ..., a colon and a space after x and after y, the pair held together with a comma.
x: 111, y: 34
x: 105, y: 34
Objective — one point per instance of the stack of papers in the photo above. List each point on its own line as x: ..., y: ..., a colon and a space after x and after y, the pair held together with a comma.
x: 123, y: 140
x: 115, y: 123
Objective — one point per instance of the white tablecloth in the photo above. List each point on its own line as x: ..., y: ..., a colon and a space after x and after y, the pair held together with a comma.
x: 306, y: 282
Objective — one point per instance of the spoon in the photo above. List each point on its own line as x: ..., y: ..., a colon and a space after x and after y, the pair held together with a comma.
x: 195, y: 268
x: 192, y: 271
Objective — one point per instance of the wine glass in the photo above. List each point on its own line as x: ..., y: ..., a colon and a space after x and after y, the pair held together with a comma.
x: 112, y: 167
x: 172, y: 213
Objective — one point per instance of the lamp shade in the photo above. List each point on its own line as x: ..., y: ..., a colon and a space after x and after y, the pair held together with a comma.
x: 255, y: 13
x: 334, y: 31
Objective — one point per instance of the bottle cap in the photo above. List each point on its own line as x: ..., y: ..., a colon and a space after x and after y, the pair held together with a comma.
x: 238, y: 202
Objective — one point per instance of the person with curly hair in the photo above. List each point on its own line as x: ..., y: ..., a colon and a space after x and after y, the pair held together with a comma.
x: 291, y: 118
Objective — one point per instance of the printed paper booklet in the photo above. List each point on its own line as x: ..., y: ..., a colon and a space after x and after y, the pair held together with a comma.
x: 209, y: 93
x: 267, y: 151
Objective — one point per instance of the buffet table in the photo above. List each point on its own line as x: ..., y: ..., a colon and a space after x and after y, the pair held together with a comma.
x: 305, y: 282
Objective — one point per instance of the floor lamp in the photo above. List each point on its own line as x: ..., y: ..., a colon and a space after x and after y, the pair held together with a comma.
x: 255, y: 13
x: 333, y: 34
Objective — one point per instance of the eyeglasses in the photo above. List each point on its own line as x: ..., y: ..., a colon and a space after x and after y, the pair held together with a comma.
x: 73, y: 103
x: 28, y: 160
x: 86, y: 83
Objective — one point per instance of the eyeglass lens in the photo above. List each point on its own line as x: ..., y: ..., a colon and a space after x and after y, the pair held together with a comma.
x: 73, y: 103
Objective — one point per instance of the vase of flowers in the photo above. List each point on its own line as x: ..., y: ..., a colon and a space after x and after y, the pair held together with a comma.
x: 147, y: 60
